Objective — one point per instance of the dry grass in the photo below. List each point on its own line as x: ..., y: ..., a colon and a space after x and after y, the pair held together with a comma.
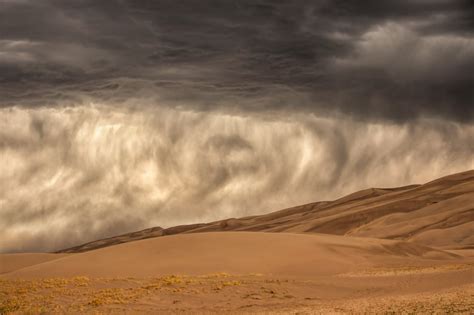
x: 408, y: 270
x: 81, y: 294
x: 220, y: 291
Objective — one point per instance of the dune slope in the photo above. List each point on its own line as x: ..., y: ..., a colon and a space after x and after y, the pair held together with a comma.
x: 282, y: 254
x: 11, y: 262
x: 439, y: 213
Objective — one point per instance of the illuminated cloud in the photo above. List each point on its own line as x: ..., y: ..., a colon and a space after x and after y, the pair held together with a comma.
x: 93, y: 171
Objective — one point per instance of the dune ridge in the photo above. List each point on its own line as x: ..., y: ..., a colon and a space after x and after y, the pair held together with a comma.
x: 438, y: 214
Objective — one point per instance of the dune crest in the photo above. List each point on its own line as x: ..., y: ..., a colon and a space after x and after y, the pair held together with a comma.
x: 439, y: 213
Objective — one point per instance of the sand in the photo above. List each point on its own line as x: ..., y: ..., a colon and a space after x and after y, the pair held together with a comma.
x: 238, y: 272
x: 282, y: 254
x: 11, y: 262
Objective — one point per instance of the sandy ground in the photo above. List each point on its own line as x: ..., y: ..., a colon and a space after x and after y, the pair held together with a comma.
x: 218, y: 293
x: 245, y: 272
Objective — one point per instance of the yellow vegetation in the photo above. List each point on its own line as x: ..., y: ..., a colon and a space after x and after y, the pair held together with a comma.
x: 82, y: 294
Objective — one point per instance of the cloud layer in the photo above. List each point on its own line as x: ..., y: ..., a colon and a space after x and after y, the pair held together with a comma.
x: 75, y: 174
x: 390, y: 60
x: 123, y: 114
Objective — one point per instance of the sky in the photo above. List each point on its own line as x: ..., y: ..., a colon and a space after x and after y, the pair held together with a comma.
x: 121, y: 115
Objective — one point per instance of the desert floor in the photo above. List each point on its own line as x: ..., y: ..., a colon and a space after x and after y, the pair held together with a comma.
x: 242, y: 272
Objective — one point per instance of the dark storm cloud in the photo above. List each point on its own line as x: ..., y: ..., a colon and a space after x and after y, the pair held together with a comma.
x: 392, y: 60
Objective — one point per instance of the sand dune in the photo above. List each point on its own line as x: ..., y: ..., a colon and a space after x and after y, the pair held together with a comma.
x: 443, y: 208
x: 11, y: 262
x: 283, y: 254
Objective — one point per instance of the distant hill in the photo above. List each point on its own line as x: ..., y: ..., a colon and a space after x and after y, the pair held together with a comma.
x: 438, y: 214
